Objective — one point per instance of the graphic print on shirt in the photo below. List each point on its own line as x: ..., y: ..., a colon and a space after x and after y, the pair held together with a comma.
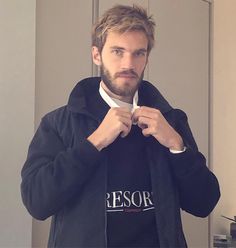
x: 129, y: 201
x: 131, y: 218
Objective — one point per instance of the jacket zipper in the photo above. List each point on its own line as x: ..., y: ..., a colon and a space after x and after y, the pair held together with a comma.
x: 105, y: 202
x: 105, y: 225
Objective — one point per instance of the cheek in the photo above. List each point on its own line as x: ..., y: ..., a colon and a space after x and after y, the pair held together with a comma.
x: 111, y: 66
x: 109, y: 59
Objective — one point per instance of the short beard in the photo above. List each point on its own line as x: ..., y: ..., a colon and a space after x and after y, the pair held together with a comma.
x: 109, y: 82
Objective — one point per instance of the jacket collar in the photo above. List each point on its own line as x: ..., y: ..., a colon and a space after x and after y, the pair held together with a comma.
x: 150, y: 96
x: 86, y: 99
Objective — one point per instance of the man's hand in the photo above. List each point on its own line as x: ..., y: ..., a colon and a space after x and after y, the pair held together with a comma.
x: 117, y: 121
x: 152, y: 122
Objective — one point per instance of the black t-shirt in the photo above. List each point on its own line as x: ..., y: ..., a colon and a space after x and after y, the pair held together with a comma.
x: 130, y: 207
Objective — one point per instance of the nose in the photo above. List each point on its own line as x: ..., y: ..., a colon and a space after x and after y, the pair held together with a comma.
x: 128, y: 62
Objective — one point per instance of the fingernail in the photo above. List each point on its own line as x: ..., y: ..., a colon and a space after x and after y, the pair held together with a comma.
x: 134, y: 108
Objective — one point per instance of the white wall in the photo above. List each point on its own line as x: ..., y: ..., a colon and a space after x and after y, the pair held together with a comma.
x: 63, y: 57
x: 63, y: 49
x: 17, y: 81
x: 223, y: 111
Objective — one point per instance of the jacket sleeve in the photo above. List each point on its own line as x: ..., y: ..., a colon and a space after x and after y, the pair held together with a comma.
x: 198, y: 187
x: 52, y: 173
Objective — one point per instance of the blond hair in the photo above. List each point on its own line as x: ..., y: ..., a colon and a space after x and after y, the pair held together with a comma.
x: 123, y: 19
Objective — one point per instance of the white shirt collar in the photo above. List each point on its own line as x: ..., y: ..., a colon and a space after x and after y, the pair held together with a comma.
x: 117, y: 103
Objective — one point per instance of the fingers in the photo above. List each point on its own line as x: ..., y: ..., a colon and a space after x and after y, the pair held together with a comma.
x: 147, y: 125
x: 146, y: 112
x: 122, y: 120
x: 150, y: 120
x: 146, y: 117
x: 120, y: 112
x: 116, y: 122
x: 154, y: 123
x: 124, y: 126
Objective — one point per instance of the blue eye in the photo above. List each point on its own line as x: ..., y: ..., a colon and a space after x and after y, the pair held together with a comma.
x: 140, y: 54
x: 117, y: 52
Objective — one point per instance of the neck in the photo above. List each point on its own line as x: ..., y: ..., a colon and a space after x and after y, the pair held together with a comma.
x: 128, y: 99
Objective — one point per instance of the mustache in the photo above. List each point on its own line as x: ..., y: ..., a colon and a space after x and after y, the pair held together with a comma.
x: 126, y: 73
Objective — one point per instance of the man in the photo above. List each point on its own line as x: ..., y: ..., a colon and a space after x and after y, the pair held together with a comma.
x: 116, y: 164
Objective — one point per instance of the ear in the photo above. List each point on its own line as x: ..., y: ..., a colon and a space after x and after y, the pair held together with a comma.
x: 96, y: 56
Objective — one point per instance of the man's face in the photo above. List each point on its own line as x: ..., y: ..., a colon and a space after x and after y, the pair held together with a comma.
x: 122, y: 62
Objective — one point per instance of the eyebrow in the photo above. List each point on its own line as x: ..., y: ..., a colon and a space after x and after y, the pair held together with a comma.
x: 123, y: 49
x: 117, y: 47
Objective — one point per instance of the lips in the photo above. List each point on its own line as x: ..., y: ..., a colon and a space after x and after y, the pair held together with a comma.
x: 127, y: 75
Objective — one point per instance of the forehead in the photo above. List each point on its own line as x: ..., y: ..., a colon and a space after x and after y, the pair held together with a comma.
x: 132, y: 40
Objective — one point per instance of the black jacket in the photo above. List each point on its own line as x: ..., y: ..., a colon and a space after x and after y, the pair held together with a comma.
x: 65, y: 177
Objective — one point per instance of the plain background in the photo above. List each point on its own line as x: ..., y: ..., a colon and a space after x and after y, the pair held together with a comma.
x: 17, y: 103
